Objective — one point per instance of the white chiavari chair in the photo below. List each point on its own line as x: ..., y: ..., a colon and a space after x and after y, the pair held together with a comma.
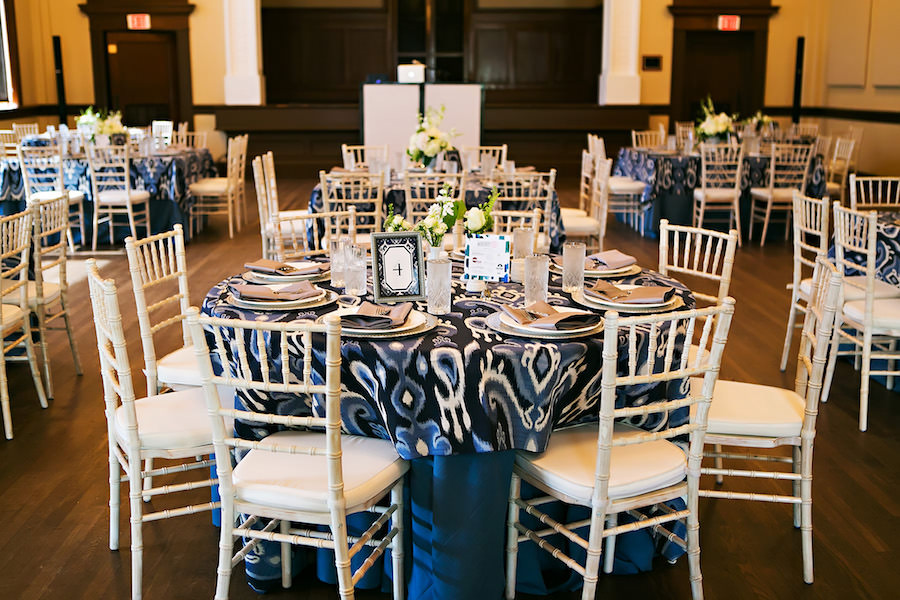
x: 332, y: 475
x: 9, y: 144
x: 803, y: 131
x: 162, y: 130
x: 788, y: 167
x: 650, y: 138
x: 190, y: 139
x: 422, y: 189
x: 811, y: 240
x: 596, y: 145
x: 617, y: 468
x: 223, y: 195
x: 173, y: 426
x: 307, y: 236
x: 684, y: 134
x: 874, y: 193
x: 838, y: 168
x: 23, y: 130
x: 867, y: 323
x: 112, y: 192
x: 15, y: 321
x: 472, y: 156
x: 363, y: 191
x: 856, y: 134
x: 747, y: 415
x: 823, y: 148
x: 697, y: 252
x: 720, y: 184
x: 43, y: 171
x: 507, y: 221
x: 526, y: 190
x: 47, y: 294
x: 359, y: 157
x: 585, y: 189
x: 159, y: 278
x: 267, y: 201
x: 592, y: 226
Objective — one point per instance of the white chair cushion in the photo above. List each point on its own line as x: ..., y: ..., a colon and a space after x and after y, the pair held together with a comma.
x: 716, y: 194
x: 568, y: 464
x: 10, y: 314
x: 779, y: 194
x: 885, y: 314
x: 300, y: 482
x: 581, y: 226
x: 179, y: 368
x: 851, y: 292
x: 629, y: 186
x: 121, y: 196
x: 51, y: 291
x: 75, y: 196
x: 174, y: 420
x: 739, y: 408
x: 833, y: 189
x: 298, y: 227
x: 570, y: 212
x: 209, y: 186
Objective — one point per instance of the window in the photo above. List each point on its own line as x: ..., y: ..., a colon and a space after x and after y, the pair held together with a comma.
x: 7, y: 40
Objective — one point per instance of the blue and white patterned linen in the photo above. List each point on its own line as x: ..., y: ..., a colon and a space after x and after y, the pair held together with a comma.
x: 462, y: 387
x: 887, y: 250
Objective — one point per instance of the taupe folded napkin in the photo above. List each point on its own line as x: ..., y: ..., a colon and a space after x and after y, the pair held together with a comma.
x: 273, y: 267
x: 373, y: 316
x: 294, y: 291
x: 609, y: 260
x: 653, y: 294
x: 544, y: 316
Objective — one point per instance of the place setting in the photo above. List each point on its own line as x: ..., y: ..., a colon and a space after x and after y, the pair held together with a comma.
x: 272, y: 271
x: 370, y: 320
x: 606, y: 264
x: 275, y: 285
x: 628, y: 298
x: 544, y: 321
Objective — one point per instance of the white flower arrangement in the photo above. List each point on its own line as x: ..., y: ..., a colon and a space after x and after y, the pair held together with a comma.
x: 442, y: 215
x: 479, y: 218
x: 713, y: 124
x: 396, y: 222
x: 100, y: 122
x: 758, y: 121
x: 428, y: 140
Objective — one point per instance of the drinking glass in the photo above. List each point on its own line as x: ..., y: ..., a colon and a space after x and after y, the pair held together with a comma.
x: 523, y: 242
x: 336, y: 252
x: 509, y: 166
x: 488, y: 162
x: 355, y: 270
x: 573, y: 266
x: 537, y: 273
x: 438, y: 286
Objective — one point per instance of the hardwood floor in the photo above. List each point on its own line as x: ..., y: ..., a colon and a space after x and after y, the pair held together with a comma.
x: 54, y: 493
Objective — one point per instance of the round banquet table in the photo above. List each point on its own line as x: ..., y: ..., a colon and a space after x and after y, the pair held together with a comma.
x: 672, y: 178
x: 455, y: 401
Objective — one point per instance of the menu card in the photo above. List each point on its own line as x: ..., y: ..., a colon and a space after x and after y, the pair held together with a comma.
x: 487, y: 257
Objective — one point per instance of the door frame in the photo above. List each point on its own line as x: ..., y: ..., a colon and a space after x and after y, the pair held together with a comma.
x: 754, y: 19
x: 165, y: 16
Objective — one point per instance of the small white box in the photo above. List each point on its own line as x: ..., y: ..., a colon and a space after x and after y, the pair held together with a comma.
x: 411, y: 73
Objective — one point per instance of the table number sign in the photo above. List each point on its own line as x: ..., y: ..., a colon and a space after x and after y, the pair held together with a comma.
x: 398, y: 269
x: 487, y: 257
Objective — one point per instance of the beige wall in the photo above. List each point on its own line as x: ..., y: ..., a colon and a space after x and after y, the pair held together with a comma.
x: 208, y: 52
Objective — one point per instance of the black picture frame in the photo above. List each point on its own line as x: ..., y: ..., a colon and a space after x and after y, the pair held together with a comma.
x: 398, y: 266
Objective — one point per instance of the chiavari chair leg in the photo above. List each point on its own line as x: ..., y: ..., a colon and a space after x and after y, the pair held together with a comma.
x: 96, y: 224
x: 286, y: 578
x: 736, y: 215
x: 137, y: 540
x: 397, y: 542
x: 41, y: 313
x: 789, y: 334
x: 226, y: 547
x: 762, y: 240
x: 864, y: 383
x: 806, y: 532
x: 32, y: 363
x: 512, y: 537
x: 832, y: 359
x: 594, y: 554
x: 610, y: 550
x: 4, y: 398
x: 797, y: 466
x: 892, y: 365
x: 115, y: 480
x: 752, y: 218
x: 148, y: 480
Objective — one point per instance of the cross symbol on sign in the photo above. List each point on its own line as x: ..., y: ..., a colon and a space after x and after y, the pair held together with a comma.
x: 398, y: 269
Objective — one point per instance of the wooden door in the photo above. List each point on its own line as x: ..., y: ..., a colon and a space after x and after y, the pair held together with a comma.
x: 721, y: 65
x: 143, y: 76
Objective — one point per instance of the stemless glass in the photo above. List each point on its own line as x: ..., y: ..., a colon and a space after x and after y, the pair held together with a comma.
x: 537, y: 273
x: 355, y: 270
x: 438, y: 286
x: 573, y: 266
x: 522, y: 242
x: 336, y: 251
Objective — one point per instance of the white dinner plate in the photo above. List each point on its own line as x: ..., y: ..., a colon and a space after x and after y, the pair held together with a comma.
x: 414, y: 320
x: 259, y: 277
x: 493, y: 321
x: 598, y: 274
x: 512, y: 324
x: 592, y: 302
x: 278, y: 304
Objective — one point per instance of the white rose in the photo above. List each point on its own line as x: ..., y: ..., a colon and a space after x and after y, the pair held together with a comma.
x: 433, y: 132
x: 430, y: 221
x: 432, y: 148
x: 421, y: 140
x: 708, y: 126
x: 440, y: 228
x: 475, y: 220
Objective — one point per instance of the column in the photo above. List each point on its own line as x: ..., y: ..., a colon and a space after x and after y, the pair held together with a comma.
x: 619, y: 81
x: 244, y: 81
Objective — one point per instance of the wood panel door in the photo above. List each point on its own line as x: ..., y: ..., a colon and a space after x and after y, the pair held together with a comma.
x: 143, y: 76
x: 722, y: 65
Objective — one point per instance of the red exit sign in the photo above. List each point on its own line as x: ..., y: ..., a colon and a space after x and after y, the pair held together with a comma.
x: 138, y: 21
x: 729, y: 23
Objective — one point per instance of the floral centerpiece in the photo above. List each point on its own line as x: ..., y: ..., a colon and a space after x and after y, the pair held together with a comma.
x: 428, y: 140
x: 479, y: 218
x: 758, y: 122
x: 713, y: 126
x: 394, y: 222
x: 102, y: 123
x: 442, y: 215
